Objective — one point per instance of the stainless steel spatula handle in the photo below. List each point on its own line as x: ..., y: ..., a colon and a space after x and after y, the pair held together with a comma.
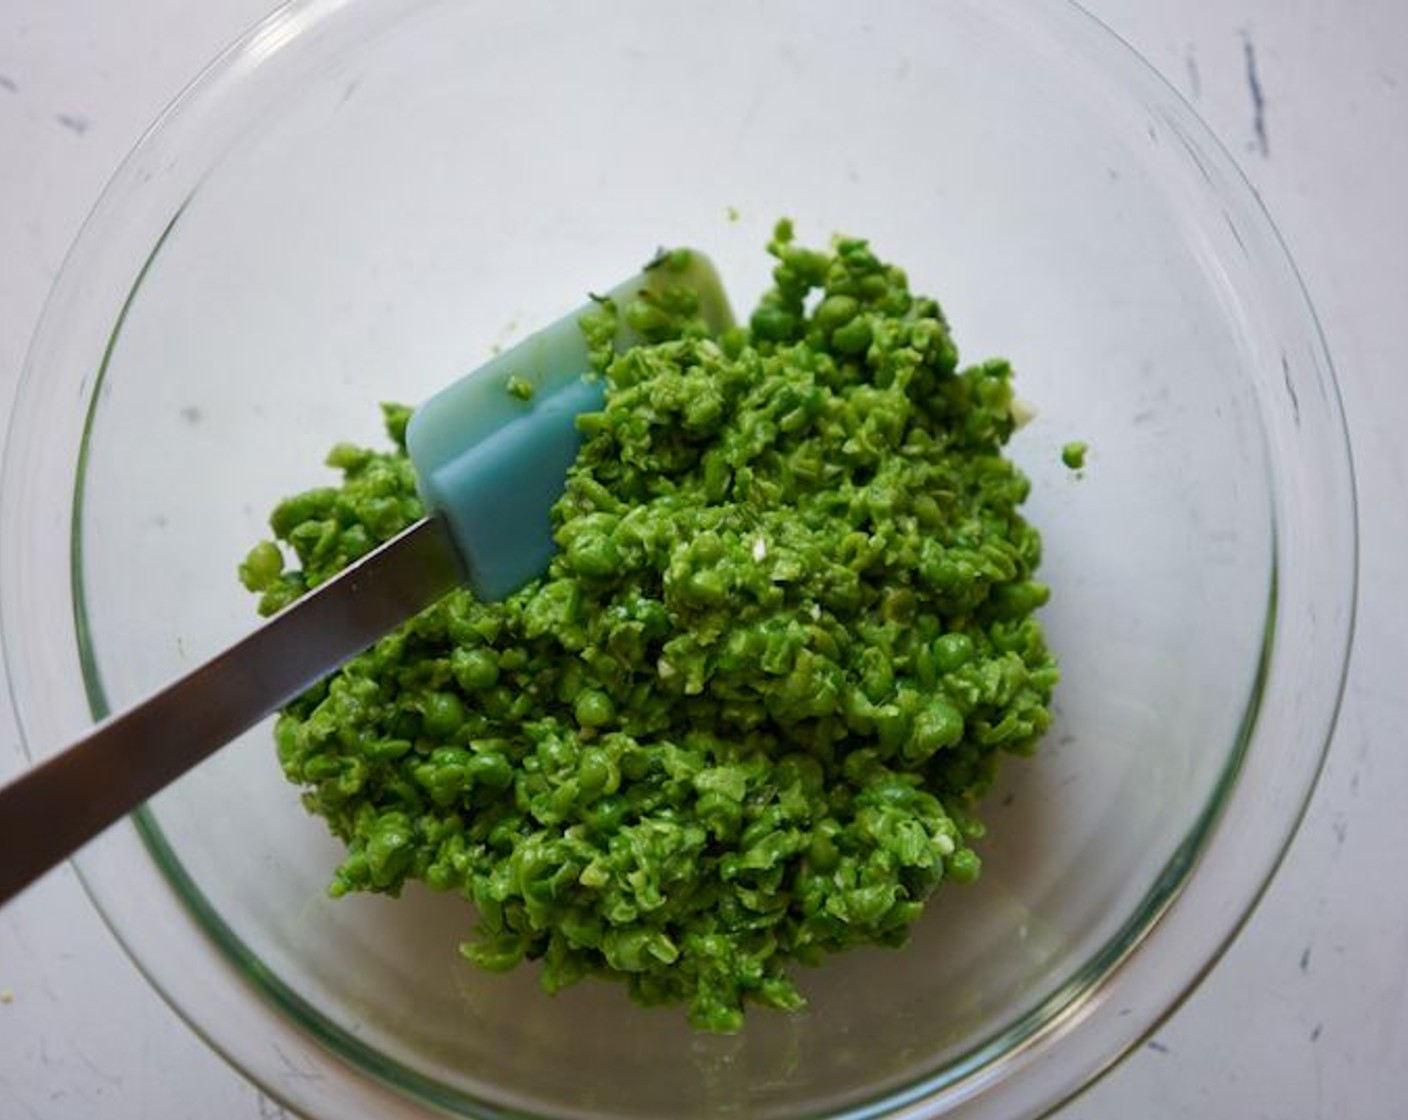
x: 49, y: 812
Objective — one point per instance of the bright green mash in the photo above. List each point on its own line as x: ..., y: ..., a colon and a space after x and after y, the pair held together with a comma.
x: 745, y: 718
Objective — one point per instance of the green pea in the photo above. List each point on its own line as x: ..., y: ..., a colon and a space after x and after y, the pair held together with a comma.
x: 262, y: 567
x: 853, y: 338
x: 311, y: 505
x: 607, y: 814
x: 389, y: 850
x: 387, y: 750
x: 475, y: 669
x: 708, y: 588
x: 835, y: 311
x: 348, y: 457
x: 809, y: 265
x: 1018, y: 600
x: 647, y: 319
x: 892, y: 726
x: 490, y: 769
x: 708, y: 548
x: 952, y: 651
x: 596, y: 772
x: 938, y: 725
x: 594, y: 708
x: 442, y: 714
x: 593, y: 555
x: 964, y: 865
x: 773, y: 324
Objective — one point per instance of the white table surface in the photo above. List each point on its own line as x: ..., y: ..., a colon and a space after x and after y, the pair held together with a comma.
x: 1307, y: 1015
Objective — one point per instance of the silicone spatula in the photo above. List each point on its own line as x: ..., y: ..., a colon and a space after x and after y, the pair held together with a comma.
x: 491, y: 454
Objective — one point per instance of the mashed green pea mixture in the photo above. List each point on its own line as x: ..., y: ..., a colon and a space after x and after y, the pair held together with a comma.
x: 745, y: 719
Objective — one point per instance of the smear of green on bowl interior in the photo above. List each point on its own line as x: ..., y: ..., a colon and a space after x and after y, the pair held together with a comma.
x: 745, y: 719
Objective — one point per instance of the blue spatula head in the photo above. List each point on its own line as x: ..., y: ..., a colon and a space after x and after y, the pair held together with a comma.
x: 492, y: 451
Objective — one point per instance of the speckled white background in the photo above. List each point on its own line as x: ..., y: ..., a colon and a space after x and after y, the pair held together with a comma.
x: 1307, y: 1015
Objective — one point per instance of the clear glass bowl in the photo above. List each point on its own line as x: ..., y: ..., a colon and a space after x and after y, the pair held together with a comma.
x: 359, y: 201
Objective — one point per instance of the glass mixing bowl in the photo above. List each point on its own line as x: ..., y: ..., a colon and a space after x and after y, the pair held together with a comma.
x: 360, y: 201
